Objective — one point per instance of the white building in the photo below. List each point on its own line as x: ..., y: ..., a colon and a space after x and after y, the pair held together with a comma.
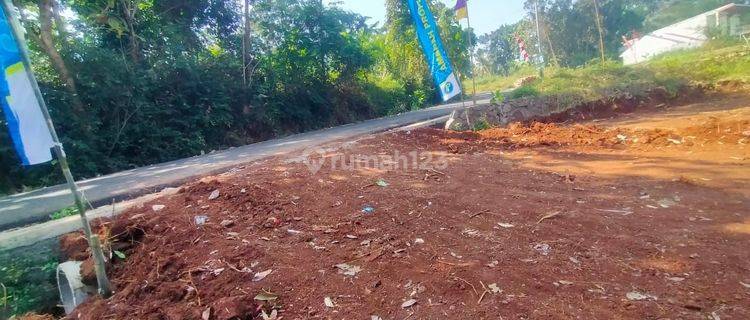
x: 688, y: 33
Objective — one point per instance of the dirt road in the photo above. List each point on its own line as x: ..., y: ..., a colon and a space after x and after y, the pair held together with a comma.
x: 643, y: 216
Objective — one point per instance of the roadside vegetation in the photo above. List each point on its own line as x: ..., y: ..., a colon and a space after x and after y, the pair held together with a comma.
x: 709, y: 65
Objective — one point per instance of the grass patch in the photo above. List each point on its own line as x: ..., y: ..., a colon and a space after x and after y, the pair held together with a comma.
x: 64, y: 213
x: 27, y: 281
x: 710, y: 64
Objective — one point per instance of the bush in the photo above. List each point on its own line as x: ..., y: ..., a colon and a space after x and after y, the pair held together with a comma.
x: 525, y: 91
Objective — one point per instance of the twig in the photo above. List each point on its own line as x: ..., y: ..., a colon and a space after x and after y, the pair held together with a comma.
x: 486, y: 291
x: 466, y: 264
x: 197, y: 293
x: 5, y: 296
x: 478, y: 213
x: 469, y: 283
x: 435, y: 171
x: 549, y: 216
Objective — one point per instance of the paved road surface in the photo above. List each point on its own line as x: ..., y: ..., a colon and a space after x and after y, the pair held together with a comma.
x: 35, y: 206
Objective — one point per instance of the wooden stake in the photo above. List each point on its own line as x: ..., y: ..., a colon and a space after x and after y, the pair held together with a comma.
x: 601, y: 32
x: 94, y: 243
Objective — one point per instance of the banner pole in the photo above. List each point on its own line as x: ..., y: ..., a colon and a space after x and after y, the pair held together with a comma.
x: 471, y: 54
x: 93, y: 240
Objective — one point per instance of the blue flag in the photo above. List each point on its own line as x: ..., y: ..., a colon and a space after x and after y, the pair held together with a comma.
x: 438, y: 61
x: 28, y: 127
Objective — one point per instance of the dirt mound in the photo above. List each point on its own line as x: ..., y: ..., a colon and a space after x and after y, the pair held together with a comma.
x: 191, y: 243
x: 538, y: 134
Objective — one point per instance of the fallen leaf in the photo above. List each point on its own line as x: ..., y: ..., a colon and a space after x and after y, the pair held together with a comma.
x: 119, y: 254
x: 505, y: 225
x: 348, y: 270
x: 266, y: 296
x: 565, y: 282
x: 382, y: 183
x: 548, y: 216
x: 408, y: 303
x: 637, y: 296
x: 494, y: 288
x: 261, y: 275
x: 745, y: 285
x: 675, y: 279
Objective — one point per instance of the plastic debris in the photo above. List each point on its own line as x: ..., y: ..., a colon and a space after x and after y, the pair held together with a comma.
x: 505, y: 225
x: 381, y: 183
x: 368, y: 210
x: 418, y: 241
x: 543, y: 248
x: 158, y: 207
x: 200, y: 220
x: 328, y: 302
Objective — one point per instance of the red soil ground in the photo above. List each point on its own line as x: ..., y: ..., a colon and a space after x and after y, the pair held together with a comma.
x: 644, y: 216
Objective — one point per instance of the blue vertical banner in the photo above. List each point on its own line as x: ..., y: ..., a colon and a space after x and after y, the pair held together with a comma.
x: 26, y: 122
x: 438, y: 61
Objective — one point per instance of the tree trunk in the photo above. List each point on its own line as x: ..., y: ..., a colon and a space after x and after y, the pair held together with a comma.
x: 48, y: 44
x: 129, y: 11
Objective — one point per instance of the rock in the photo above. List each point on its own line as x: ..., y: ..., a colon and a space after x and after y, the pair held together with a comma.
x: 328, y: 302
x: 271, y: 222
x: 214, y: 194
x: 227, y: 223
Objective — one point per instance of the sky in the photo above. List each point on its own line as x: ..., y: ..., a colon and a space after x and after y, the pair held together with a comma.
x: 486, y: 15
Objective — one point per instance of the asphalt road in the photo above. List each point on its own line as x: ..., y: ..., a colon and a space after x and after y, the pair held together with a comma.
x: 35, y: 206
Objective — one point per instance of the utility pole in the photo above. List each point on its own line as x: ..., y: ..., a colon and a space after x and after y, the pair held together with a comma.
x: 103, y: 283
x: 599, y: 26
x: 539, y: 40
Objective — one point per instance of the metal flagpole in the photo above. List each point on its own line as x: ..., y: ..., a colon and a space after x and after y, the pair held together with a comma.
x: 93, y: 239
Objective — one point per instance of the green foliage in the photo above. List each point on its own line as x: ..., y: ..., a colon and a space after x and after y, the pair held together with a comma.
x: 498, y: 97
x: 27, y: 284
x: 482, y: 124
x: 665, y: 13
x: 67, y: 212
x: 671, y: 71
x: 524, y: 91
